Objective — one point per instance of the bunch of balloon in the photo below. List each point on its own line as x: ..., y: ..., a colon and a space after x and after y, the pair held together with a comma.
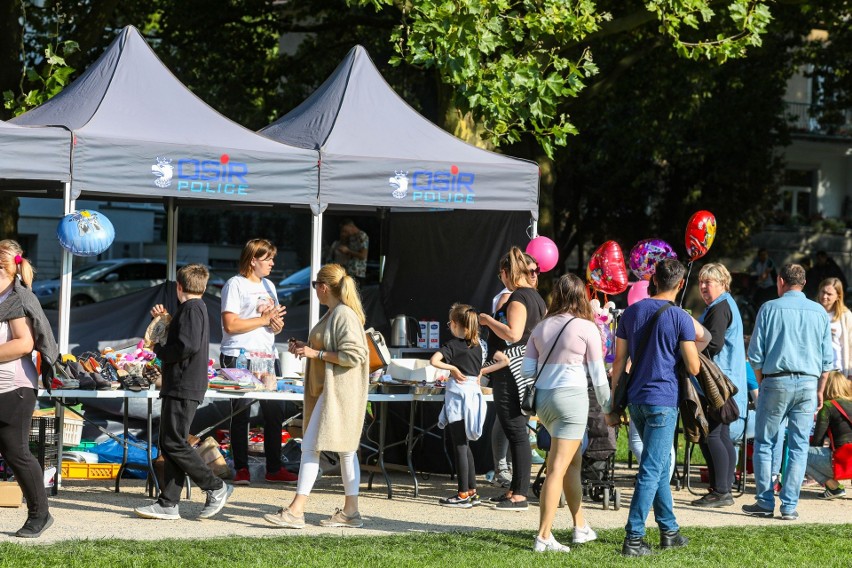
x: 606, y: 271
x: 545, y: 252
x: 700, y: 234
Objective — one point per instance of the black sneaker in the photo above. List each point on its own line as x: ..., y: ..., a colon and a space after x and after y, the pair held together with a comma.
x: 635, y: 547
x: 35, y: 526
x: 497, y: 500
x: 758, y: 511
x: 509, y: 505
x: 791, y: 516
x: 832, y: 493
x: 475, y: 500
x: 714, y: 500
x: 672, y: 539
x: 456, y: 501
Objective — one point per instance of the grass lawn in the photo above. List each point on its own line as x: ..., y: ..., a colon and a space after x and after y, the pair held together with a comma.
x: 776, y: 546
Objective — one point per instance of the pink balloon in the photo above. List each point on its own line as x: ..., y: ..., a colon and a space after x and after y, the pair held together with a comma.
x: 638, y: 291
x: 545, y: 252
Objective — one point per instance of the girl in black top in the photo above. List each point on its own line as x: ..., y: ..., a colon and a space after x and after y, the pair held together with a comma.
x: 512, y: 327
x: 830, y: 419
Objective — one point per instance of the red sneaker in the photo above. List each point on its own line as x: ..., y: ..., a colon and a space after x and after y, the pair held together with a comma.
x: 242, y: 477
x: 282, y: 476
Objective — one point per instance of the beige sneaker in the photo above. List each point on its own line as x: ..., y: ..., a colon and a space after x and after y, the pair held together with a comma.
x: 341, y: 519
x: 285, y: 519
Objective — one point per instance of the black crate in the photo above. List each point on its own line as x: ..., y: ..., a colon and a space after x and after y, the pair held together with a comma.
x: 43, y: 440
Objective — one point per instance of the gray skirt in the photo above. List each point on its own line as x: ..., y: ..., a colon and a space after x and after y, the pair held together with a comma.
x: 563, y: 411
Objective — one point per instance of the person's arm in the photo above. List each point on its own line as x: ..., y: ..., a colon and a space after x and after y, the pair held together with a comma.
x: 186, y: 344
x: 22, y: 342
x: 820, y: 427
x: 516, y: 316
x: 756, y: 347
x: 702, y: 335
x: 619, y: 364
x: 594, y: 362
x: 501, y: 361
x: 689, y: 353
x: 437, y: 361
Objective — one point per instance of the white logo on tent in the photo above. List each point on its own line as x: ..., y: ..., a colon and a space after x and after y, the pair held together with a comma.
x: 164, y: 171
x: 399, y: 183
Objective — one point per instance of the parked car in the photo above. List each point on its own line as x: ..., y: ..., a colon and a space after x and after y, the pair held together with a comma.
x: 112, y: 278
x: 295, y: 289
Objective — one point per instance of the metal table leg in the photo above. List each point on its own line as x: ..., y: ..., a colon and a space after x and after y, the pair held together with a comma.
x: 409, y: 447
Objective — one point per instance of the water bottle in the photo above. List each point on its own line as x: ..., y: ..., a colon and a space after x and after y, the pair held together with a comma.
x: 242, y: 361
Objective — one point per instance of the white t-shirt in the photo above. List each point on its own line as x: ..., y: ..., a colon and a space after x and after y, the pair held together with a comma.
x: 247, y: 299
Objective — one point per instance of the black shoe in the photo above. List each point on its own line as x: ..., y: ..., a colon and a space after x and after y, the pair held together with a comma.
x: 35, y: 526
x: 714, y: 500
x: 498, y: 499
x: 509, y: 505
x: 758, y: 511
x: 672, y: 539
x: 635, y: 547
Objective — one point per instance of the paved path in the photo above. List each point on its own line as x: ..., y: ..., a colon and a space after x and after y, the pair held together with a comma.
x: 91, y: 509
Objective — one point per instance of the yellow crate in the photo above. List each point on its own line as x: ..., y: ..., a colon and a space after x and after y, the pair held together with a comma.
x: 74, y: 470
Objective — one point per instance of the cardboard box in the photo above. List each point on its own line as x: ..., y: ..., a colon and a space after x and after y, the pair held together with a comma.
x: 10, y: 494
x: 434, y: 335
x: 423, y: 338
x: 414, y: 371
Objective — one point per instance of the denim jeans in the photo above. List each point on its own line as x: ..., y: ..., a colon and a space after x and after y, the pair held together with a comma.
x: 656, y: 426
x: 819, y: 464
x: 793, y: 397
x: 634, y: 442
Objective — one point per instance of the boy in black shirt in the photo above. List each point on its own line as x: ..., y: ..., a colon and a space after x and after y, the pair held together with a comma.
x: 184, y: 358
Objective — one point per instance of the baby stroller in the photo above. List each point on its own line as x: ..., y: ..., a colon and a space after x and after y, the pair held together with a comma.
x: 598, y: 472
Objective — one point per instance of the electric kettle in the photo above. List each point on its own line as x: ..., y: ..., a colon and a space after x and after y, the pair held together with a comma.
x: 401, y: 332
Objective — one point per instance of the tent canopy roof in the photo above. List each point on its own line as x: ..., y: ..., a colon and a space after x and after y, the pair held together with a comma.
x: 34, y: 153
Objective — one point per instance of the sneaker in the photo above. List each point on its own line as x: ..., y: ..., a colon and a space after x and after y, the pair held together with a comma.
x: 341, y: 519
x: 502, y: 479
x: 832, y: 493
x: 456, y: 501
x: 509, y: 505
x: 285, y: 519
x: 635, y: 547
x: 714, y: 500
x: 672, y: 539
x: 280, y: 476
x: 493, y: 501
x: 35, y: 526
x: 791, y: 516
x: 242, y: 477
x: 216, y: 499
x: 758, y: 511
x: 157, y: 511
x: 583, y: 535
x: 549, y: 545
x: 475, y: 500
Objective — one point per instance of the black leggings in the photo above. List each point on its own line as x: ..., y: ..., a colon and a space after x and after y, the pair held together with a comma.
x: 16, y: 413
x: 514, y: 423
x: 465, y: 467
x: 720, y: 456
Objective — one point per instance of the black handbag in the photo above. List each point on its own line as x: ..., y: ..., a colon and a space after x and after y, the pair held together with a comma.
x: 528, y: 400
x: 619, y: 396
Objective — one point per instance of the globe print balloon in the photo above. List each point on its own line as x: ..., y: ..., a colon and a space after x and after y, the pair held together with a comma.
x: 85, y: 233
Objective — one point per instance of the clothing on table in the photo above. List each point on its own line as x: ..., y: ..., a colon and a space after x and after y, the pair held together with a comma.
x: 185, y: 354
x: 247, y: 300
x: 463, y: 402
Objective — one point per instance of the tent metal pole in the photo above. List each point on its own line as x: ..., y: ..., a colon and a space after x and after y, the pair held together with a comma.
x: 68, y: 206
x: 316, y: 262
x: 171, y: 239
x: 533, y: 228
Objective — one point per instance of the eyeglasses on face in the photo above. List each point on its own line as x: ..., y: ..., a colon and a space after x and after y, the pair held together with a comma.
x: 314, y: 284
x: 536, y: 270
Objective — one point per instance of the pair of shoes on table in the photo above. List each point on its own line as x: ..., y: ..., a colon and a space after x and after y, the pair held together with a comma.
x: 509, y: 505
x: 285, y: 519
x: 714, y: 500
x: 87, y: 380
x: 756, y: 510
x: 549, y: 545
x: 456, y: 501
x: 242, y: 476
x: 832, y: 493
x: 635, y: 547
x: 157, y: 511
x: 35, y: 526
x: 280, y: 476
x: 672, y: 539
x: 216, y: 500
x: 341, y: 519
x: 584, y: 535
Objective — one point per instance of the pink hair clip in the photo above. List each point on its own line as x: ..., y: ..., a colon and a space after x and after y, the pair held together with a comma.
x: 18, y: 259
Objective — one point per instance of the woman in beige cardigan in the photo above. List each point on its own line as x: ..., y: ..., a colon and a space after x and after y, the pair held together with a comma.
x: 336, y: 382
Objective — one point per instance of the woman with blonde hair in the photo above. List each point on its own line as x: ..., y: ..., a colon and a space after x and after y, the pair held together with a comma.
x: 838, y: 397
x: 18, y: 384
x: 336, y: 381
x: 830, y: 296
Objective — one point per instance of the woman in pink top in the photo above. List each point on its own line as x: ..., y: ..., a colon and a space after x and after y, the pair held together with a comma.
x: 563, y: 350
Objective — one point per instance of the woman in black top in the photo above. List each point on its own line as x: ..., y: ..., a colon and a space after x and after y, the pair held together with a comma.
x: 512, y: 327
x: 830, y: 419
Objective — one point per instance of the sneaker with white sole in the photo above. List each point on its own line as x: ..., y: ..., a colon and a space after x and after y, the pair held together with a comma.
x: 456, y: 501
x: 341, y: 519
x: 832, y: 493
x: 584, y: 534
x: 285, y: 519
x: 549, y: 545
x: 216, y: 499
x: 157, y: 511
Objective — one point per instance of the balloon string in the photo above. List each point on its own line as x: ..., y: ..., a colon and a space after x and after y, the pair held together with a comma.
x: 685, y: 282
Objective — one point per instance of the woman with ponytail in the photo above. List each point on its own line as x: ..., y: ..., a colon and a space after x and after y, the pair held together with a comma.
x: 18, y: 384
x: 336, y: 381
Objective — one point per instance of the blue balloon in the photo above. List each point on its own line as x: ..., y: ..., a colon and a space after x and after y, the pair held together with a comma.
x: 85, y: 233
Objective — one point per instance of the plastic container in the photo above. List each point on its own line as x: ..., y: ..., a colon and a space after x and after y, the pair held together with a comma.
x: 74, y: 470
x: 242, y: 360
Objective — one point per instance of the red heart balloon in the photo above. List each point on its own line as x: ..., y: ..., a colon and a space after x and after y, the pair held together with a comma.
x: 700, y: 233
x: 607, y: 271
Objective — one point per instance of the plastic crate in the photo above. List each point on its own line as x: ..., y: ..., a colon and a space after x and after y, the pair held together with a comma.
x: 82, y: 447
x: 43, y: 431
x: 74, y: 470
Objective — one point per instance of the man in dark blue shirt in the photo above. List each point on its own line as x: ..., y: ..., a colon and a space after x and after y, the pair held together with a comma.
x: 653, y: 400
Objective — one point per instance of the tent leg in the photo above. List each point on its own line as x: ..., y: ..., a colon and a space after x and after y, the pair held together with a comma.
x: 68, y: 206
x: 171, y: 239
x: 316, y: 262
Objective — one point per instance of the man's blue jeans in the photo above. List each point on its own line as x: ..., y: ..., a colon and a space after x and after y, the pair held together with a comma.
x: 793, y: 397
x: 656, y: 426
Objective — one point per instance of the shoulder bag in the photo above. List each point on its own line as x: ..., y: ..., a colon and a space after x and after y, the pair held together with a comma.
x: 841, y: 457
x: 379, y: 354
x: 619, y: 397
x: 528, y: 400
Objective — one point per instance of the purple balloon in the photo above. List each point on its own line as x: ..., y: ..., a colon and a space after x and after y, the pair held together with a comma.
x: 646, y: 254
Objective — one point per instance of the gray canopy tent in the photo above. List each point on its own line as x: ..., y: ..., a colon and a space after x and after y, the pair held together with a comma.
x: 34, y: 159
x: 376, y: 151
x: 140, y: 134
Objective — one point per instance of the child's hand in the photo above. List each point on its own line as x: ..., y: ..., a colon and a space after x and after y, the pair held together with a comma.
x: 457, y: 375
x: 159, y: 310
